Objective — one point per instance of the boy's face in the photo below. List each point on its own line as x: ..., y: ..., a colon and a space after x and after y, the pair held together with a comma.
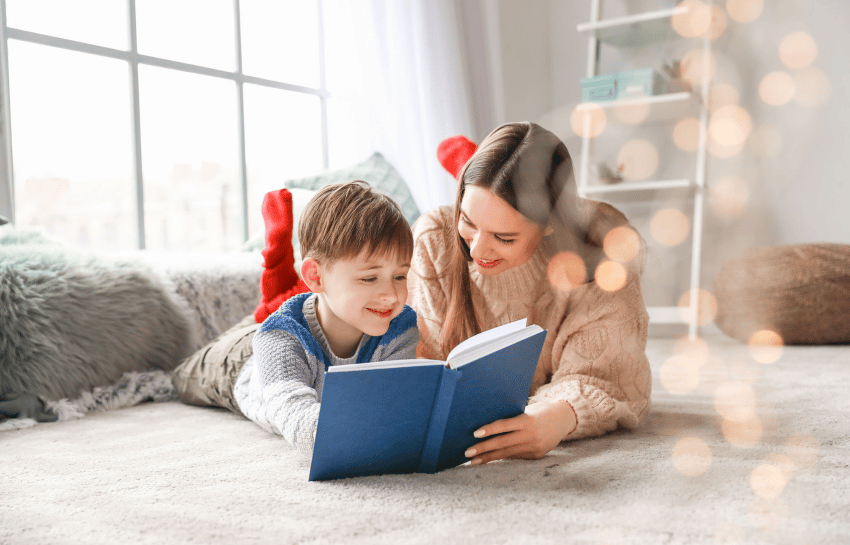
x: 363, y: 293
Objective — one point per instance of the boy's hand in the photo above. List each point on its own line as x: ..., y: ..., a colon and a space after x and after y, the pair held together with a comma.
x: 529, y: 436
x: 25, y: 406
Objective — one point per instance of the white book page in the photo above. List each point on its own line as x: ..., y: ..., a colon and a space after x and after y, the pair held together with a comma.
x: 486, y: 336
x: 481, y: 350
x: 383, y: 365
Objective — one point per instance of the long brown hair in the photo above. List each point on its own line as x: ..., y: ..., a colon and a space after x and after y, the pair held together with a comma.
x: 530, y: 169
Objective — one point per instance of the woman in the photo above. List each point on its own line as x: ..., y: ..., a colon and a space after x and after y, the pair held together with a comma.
x: 519, y: 244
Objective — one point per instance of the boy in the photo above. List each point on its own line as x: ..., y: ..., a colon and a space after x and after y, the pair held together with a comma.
x: 356, y: 247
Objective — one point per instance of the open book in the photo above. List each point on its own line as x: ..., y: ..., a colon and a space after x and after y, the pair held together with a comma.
x: 418, y: 416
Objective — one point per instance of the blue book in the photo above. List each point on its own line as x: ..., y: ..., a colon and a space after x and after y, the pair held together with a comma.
x: 418, y: 416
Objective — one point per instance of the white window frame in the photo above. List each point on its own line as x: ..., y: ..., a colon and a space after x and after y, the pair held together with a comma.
x: 134, y: 59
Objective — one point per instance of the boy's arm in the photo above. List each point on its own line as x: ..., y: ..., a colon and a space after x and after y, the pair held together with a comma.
x: 286, y: 398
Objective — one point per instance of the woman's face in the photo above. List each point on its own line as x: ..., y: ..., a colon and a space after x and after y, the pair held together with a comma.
x: 499, y: 237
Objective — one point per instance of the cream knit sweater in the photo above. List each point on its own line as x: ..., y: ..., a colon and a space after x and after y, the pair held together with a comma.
x: 594, y: 354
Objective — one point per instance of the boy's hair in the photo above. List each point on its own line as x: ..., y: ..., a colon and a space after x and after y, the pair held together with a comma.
x: 343, y: 219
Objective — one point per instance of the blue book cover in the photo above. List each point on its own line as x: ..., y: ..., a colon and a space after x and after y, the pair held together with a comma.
x: 418, y: 416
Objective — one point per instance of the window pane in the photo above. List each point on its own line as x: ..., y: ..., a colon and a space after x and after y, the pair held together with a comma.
x: 98, y: 22
x: 189, y: 159
x: 283, y: 139
x: 197, y: 32
x: 71, y: 124
x: 280, y: 40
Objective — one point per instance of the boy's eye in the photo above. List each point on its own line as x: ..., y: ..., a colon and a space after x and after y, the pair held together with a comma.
x: 400, y: 277
x: 368, y: 280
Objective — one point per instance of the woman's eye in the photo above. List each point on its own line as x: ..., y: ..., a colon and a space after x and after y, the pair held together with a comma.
x: 505, y: 240
x: 466, y: 222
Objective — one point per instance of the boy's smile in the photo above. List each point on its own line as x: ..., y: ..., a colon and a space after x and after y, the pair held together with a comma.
x: 360, y: 295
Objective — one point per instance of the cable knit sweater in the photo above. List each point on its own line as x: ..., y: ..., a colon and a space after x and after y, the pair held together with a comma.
x: 594, y: 353
x: 280, y: 386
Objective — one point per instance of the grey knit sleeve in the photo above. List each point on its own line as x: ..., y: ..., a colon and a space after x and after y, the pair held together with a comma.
x: 287, y: 385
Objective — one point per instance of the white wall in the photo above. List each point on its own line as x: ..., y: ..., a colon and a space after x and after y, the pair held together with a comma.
x: 798, y: 195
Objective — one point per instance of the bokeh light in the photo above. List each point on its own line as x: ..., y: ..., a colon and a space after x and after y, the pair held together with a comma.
x: 717, y: 22
x: 632, y: 114
x: 610, y: 276
x: 744, y: 11
x: 706, y: 303
x: 730, y: 125
x: 798, y: 50
x: 766, y: 346
x: 768, y: 481
x: 694, y: 22
x: 723, y: 152
x: 679, y: 376
x: 783, y: 462
x: 566, y: 271
x: 768, y: 515
x: 742, y: 428
x: 802, y: 449
x: 622, y: 244
x: 728, y: 197
x: 686, y: 134
x: 588, y: 120
x: 669, y: 227
x: 723, y: 94
x: 692, y: 66
x: 813, y: 87
x: 734, y: 398
x: 692, y: 349
x: 765, y: 141
x: 639, y: 159
x: 691, y: 456
x: 777, y: 88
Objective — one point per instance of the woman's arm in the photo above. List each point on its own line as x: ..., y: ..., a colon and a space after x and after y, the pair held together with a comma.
x: 601, y: 377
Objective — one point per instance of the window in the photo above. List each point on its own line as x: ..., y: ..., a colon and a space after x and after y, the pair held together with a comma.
x: 157, y: 124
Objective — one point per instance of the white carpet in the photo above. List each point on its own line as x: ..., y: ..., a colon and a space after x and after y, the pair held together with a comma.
x: 164, y: 473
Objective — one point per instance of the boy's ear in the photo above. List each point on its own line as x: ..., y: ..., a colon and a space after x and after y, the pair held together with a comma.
x: 311, y: 274
x: 548, y: 231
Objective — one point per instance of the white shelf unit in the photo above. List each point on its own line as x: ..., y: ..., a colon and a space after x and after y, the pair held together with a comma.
x: 634, y: 31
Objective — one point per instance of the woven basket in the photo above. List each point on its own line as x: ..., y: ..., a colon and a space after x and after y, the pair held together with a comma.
x: 800, y: 291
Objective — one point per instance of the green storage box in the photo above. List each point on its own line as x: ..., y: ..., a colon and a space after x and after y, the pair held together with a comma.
x: 621, y: 85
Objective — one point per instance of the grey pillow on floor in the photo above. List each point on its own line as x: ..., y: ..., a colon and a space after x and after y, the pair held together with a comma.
x: 71, y: 320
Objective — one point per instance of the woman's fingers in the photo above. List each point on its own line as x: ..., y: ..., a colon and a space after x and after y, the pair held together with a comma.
x: 502, y: 426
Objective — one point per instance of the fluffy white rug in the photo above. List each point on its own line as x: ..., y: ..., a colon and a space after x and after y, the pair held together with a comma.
x: 734, y: 451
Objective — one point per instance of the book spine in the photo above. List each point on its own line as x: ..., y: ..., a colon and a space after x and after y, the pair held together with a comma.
x: 439, y: 417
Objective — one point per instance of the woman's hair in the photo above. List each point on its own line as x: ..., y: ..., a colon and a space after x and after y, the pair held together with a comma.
x: 342, y: 220
x: 530, y: 169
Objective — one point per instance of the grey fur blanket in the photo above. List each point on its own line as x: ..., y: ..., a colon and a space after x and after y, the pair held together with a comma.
x: 71, y: 320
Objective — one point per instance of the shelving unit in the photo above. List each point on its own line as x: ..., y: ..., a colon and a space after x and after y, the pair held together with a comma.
x: 634, y: 31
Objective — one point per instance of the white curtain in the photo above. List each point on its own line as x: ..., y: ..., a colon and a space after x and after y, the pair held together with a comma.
x: 395, y: 71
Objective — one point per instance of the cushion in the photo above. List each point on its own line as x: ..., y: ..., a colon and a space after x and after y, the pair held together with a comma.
x: 377, y: 172
x: 71, y: 320
x: 801, y: 291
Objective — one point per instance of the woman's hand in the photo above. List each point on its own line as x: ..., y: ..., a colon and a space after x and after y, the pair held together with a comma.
x: 530, y: 435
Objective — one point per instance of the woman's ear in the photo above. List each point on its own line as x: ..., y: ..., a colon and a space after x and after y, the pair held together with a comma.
x: 311, y: 274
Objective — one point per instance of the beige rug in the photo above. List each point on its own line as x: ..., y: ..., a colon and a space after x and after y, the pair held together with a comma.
x: 776, y: 469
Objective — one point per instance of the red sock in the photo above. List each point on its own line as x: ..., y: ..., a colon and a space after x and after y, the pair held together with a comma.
x: 454, y: 152
x: 279, y: 281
